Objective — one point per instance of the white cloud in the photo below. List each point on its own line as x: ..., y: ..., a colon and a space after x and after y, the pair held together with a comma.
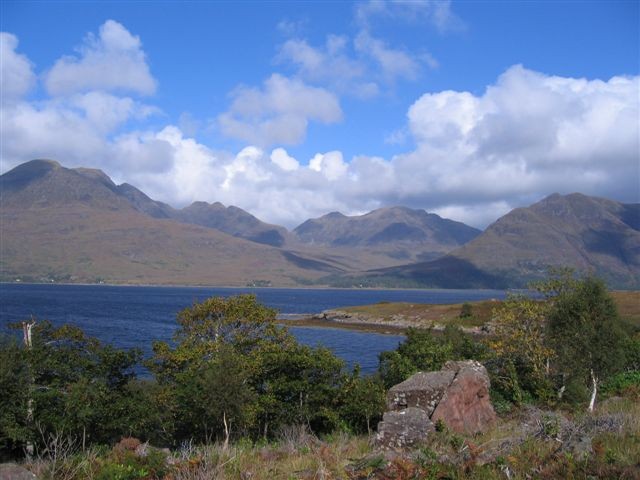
x: 278, y: 112
x: 528, y: 135
x: 330, y: 164
x: 330, y: 64
x: 476, y: 156
x: 16, y: 74
x: 280, y: 157
x: 435, y: 12
x: 392, y: 62
x: 28, y: 131
x: 74, y: 128
x: 113, y: 60
x: 355, y: 67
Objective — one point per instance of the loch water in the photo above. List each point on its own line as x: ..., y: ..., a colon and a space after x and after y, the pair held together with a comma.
x: 128, y: 316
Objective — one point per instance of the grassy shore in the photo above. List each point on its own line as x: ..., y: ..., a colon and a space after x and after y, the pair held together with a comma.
x: 396, y: 317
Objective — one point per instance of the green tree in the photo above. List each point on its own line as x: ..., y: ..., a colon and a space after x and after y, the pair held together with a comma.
x: 522, y: 353
x: 362, y: 402
x: 463, y: 345
x: 216, y: 399
x: 586, y: 334
x: 420, y: 351
x: 280, y: 381
x: 239, y: 322
x: 63, y: 383
x: 298, y: 384
x: 14, y: 385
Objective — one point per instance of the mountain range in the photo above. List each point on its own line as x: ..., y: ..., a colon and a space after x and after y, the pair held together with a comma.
x: 77, y: 225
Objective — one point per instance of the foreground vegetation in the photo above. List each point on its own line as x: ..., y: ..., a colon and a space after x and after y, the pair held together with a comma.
x: 235, y: 396
x: 297, y: 454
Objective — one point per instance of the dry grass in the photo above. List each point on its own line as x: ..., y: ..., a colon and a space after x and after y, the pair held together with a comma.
x: 394, y: 317
x: 628, y: 304
x: 529, y: 443
x: 305, y: 457
x: 388, y: 317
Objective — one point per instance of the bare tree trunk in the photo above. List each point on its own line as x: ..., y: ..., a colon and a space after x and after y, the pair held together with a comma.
x: 547, y: 366
x: 594, y: 391
x: 561, y: 392
x: 225, y: 446
x: 26, y: 332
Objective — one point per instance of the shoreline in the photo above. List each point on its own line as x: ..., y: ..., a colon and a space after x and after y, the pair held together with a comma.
x: 311, y: 322
x: 300, y: 287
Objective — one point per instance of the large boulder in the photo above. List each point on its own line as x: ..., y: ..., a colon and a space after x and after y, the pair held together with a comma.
x: 465, y: 406
x: 457, y: 395
x: 404, y: 428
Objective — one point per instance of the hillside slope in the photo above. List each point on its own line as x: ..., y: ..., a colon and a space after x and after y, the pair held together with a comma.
x: 588, y: 234
x: 60, y: 224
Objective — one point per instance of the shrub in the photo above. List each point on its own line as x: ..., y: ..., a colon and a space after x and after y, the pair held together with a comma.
x: 622, y: 383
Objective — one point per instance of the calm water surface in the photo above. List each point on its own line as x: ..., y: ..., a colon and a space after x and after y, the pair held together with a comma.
x: 130, y: 317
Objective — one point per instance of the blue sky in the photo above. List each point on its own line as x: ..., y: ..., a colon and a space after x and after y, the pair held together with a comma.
x: 294, y: 109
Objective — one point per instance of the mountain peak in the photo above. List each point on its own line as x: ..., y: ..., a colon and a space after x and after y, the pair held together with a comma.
x: 334, y: 215
x: 401, y: 231
x: 20, y: 176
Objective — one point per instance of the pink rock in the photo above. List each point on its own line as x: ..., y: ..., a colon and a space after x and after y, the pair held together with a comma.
x: 457, y: 395
x: 465, y: 406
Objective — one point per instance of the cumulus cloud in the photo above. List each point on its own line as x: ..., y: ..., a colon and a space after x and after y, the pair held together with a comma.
x: 16, y: 73
x: 330, y: 164
x: 279, y: 112
x: 528, y: 135
x: 112, y: 60
x: 280, y: 157
x: 475, y: 156
x: 74, y: 127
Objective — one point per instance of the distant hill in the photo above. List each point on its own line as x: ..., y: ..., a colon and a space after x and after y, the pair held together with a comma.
x: 400, y: 233
x: 234, y: 221
x: 60, y: 224
x: 586, y: 233
x: 77, y: 225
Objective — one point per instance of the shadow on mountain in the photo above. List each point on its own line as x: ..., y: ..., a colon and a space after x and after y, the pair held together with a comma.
x: 309, y: 264
x: 610, y: 243
x: 630, y: 215
x: 268, y: 237
x: 26, y: 173
x: 445, y: 272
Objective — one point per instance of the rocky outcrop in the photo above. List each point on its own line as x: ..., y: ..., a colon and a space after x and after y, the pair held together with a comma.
x: 457, y: 396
